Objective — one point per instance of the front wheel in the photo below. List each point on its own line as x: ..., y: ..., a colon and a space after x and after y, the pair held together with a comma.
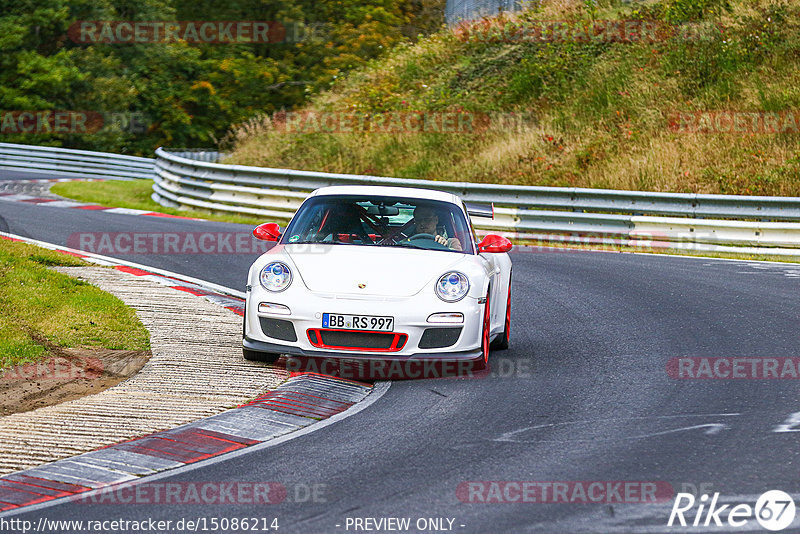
x: 501, y: 343
x: 257, y: 356
x: 485, y: 335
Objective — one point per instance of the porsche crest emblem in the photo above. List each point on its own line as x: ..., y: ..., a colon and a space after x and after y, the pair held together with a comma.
x: 362, y: 286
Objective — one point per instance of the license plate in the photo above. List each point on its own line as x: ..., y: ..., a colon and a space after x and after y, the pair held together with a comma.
x: 357, y: 322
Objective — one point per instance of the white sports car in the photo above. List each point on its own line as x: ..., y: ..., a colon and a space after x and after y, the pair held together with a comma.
x: 379, y: 273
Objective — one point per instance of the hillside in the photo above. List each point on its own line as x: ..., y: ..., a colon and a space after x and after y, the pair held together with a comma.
x: 704, y: 98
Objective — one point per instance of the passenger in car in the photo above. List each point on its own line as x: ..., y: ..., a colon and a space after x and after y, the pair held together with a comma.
x: 343, y: 223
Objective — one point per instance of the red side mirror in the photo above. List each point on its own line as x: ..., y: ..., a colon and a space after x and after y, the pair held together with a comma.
x: 495, y: 244
x: 267, y: 232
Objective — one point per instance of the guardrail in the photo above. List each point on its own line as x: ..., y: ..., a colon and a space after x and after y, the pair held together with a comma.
x: 191, y: 178
x: 198, y: 154
x: 670, y: 220
x: 79, y: 163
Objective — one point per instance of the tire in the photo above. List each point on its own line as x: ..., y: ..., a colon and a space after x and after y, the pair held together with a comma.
x: 256, y: 356
x: 485, y: 335
x: 501, y: 343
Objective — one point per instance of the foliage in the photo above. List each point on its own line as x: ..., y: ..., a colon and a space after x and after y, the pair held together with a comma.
x: 179, y: 93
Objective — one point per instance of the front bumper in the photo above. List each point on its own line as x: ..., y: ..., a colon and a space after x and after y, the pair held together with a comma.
x: 291, y: 350
x: 411, y: 321
x: 371, y: 367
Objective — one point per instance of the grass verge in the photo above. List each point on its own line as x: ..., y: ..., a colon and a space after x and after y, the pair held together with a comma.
x: 40, y: 308
x: 135, y: 194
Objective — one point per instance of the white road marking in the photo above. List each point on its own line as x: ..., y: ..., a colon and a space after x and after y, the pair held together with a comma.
x: 712, y: 428
x: 789, y: 425
x: 107, y: 260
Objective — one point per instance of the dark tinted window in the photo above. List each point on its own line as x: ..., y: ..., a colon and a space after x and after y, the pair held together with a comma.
x: 381, y: 221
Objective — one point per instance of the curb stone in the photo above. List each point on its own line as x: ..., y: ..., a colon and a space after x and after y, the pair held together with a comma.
x: 285, y: 409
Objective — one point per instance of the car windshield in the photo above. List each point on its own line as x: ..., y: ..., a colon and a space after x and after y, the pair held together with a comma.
x: 381, y: 222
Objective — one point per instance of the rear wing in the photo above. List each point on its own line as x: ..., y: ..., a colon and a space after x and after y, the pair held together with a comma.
x: 476, y: 209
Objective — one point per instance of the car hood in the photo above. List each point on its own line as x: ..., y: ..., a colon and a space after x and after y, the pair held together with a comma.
x: 384, y: 271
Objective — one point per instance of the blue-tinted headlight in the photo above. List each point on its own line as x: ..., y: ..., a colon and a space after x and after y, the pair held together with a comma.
x: 452, y: 287
x: 276, y: 276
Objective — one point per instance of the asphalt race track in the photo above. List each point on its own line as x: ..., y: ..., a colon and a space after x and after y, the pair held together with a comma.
x: 582, y: 395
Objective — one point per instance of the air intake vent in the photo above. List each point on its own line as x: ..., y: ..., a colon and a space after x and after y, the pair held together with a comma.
x: 345, y: 339
x: 278, y: 328
x: 437, y: 338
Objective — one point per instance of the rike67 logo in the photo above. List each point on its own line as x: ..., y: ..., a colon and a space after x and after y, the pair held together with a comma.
x: 774, y: 510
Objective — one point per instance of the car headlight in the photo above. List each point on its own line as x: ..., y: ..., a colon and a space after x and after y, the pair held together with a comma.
x: 452, y: 286
x: 276, y: 276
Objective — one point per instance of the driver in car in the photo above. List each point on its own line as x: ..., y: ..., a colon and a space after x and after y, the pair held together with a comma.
x: 426, y: 221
